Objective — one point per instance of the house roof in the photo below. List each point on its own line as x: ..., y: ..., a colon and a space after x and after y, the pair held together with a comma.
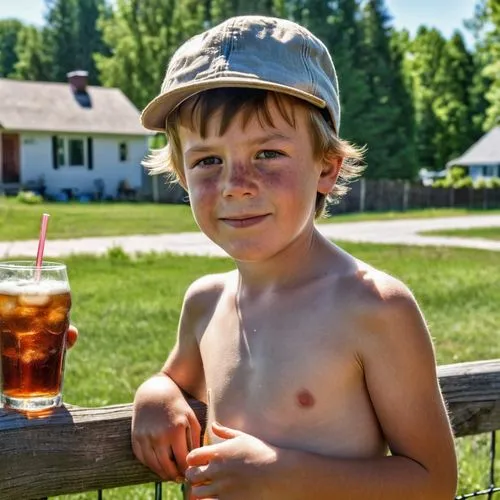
x: 53, y: 107
x: 485, y: 151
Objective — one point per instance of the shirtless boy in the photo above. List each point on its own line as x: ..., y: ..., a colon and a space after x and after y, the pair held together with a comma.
x: 320, y: 368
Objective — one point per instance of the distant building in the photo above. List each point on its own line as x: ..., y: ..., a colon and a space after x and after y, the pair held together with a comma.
x: 482, y: 159
x: 69, y: 138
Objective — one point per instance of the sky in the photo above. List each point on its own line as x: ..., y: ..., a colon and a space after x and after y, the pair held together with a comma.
x: 446, y: 15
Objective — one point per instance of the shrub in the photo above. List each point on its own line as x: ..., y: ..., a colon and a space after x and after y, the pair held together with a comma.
x: 442, y: 183
x: 29, y: 197
x: 495, y: 182
x: 466, y: 182
x: 482, y: 184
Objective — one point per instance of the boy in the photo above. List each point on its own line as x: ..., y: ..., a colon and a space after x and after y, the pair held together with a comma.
x: 316, y: 364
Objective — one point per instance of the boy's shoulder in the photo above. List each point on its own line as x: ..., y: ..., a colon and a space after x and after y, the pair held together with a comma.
x: 378, y: 295
x: 207, y: 289
x: 387, y: 311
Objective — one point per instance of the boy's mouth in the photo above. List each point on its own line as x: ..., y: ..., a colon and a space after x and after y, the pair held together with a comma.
x: 241, y: 221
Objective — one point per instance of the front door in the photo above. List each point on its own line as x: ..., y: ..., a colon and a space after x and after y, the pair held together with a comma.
x: 10, y: 158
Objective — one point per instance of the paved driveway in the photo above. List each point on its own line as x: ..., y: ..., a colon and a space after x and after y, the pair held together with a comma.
x: 403, y: 232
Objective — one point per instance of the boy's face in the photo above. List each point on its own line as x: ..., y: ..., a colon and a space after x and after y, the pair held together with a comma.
x: 253, y: 189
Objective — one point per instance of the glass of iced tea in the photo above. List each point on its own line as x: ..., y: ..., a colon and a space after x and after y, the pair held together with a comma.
x: 34, y: 319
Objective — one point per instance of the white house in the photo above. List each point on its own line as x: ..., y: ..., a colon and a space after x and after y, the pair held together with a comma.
x: 482, y: 159
x: 69, y: 137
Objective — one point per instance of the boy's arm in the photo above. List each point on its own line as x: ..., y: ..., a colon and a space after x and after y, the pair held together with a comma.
x: 164, y: 427
x: 401, y: 378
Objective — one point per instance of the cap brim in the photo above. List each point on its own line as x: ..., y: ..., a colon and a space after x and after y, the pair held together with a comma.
x: 155, y: 113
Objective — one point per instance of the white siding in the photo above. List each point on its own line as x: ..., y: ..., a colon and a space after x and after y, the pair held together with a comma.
x: 36, y: 161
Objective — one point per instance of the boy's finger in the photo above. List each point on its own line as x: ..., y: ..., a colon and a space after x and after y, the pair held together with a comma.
x: 71, y: 336
x: 203, y: 455
x: 167, y: 467
x: 199, y: 475
x: 180, y: 449
x: 195, y: 432
x: 224, y: 432
x: 205, y: 491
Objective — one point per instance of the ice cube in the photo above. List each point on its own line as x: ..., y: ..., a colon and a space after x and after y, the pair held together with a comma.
x: 7, y: 305
x: 33, y: 355
x: 56, y: 316
x: 33, y: 300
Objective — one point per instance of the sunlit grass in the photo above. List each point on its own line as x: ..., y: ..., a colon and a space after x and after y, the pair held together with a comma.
x: 490, y: 233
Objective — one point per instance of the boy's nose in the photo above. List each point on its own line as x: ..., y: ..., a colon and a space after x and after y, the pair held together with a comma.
x: 239, y: 180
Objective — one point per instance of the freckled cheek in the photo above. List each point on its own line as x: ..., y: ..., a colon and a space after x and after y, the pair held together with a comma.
x: 202, y: 191
x: 292, y: 186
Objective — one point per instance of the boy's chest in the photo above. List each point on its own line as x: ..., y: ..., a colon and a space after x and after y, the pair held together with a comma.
x: 281, y: 373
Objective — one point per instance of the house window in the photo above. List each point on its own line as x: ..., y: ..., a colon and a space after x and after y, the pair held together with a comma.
x: 61, y: 151
x: 123, y: 151
x: 489, y: 170
x: 76, y: 152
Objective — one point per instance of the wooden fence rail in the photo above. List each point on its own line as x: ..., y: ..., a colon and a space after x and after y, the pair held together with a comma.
x: 84, y: 449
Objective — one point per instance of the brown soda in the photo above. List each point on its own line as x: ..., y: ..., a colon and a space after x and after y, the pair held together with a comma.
x: 33, y: 329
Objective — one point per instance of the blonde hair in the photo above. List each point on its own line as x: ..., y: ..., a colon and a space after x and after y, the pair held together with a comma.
x: 197, y: 111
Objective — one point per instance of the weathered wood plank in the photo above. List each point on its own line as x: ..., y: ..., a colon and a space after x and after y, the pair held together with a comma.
x: 83, y: 449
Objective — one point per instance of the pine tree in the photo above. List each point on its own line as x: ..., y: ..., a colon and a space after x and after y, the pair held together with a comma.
x: 452, y: 107
x: 9, y: 32
x: 388, y: 120
x: 492, y: 70
x: 61, y: 26
x: 423, y: 63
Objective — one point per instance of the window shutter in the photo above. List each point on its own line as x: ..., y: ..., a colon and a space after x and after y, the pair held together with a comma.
x: 55, y: 152
x: 90, y: 153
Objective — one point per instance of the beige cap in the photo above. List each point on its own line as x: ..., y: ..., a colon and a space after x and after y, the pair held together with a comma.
x: 252, y: 52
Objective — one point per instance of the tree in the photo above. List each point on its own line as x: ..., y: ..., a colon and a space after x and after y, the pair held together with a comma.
x: 220, y: 10
x: 453, y: 81
x: 73, y: 36
x: 492, y: 70
x: 142, y: 36
x: 34, y: 63
x: 388, y: 117
x: 423, y: 62
x: 9, y: 32
x: 61, y: 26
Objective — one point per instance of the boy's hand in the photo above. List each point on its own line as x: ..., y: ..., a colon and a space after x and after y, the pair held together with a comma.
x: 236, y: 468
x: 163, y: 428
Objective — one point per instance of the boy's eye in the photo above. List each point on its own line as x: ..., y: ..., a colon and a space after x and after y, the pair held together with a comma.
x: 268, y: 154
x: 208, y: 162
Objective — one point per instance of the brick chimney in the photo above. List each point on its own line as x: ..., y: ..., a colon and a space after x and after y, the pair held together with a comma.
x: 78, y: 80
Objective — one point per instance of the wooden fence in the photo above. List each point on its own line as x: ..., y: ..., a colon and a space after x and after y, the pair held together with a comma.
x: 86, y: 449
x: 388, y: 195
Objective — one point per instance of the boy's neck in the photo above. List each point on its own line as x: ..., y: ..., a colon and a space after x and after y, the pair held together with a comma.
x: 311, y: 256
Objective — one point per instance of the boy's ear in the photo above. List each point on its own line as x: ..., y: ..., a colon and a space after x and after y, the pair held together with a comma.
x: 329, y: 174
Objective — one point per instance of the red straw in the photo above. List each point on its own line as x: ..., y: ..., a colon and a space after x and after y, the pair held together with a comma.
x: 41, y: 244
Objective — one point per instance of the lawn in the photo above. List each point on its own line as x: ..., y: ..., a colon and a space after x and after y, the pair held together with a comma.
x: 19, y: 221
x: 127, y: 312
x: 490, y: 233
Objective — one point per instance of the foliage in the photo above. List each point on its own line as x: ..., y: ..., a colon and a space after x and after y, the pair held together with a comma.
x: 29, y: 197
x: 9, y: 32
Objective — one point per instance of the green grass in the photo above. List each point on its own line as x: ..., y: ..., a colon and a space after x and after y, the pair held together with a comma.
x: 127, y: 312
x: 19, y: 221
x: 428, y: 213
x: 490, y: 233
